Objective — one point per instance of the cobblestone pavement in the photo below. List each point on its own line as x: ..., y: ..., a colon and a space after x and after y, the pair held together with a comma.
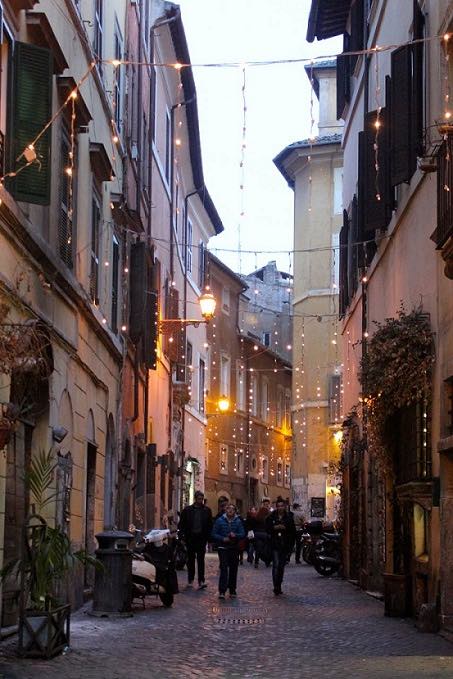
x: 319, y: 627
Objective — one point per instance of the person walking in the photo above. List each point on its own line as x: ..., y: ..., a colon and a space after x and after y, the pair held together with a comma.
x: 227, y: 532
x: 196, y: 525
x: 261, y: 538
x: 299, y: 520
x: 251, y: 525
x: 281, y: 531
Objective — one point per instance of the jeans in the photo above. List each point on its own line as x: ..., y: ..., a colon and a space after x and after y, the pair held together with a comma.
x: 278, y: 567
x: 196, y: 547
x: 229, y: 562
x: 298, y: 544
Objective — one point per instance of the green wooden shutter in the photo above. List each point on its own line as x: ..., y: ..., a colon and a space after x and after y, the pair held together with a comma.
x: 402, y: 158
x: 31, y: 110
x: 137, y: 300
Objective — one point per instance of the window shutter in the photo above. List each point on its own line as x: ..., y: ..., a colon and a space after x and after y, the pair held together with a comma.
x: 353, y: 255
x: 343, y: 78
x: 115, y: 283
x: 150, y: 325
x: 402, y: 158
x: 372, y: 212
x: 137, y: 291
x: 417, y: 82
x: 344, y: 297
x: 32, y: 109
x: 65, y: 220
x: 357, y: 31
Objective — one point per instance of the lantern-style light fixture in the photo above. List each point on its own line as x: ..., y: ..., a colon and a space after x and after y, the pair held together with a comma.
x: 223, y: 404
x: 207, y: 305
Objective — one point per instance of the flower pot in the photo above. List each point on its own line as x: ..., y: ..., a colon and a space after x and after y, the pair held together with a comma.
x: 44, y: 634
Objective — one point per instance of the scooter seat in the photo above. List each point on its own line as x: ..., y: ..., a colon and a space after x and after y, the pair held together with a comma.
x: 331, y: 536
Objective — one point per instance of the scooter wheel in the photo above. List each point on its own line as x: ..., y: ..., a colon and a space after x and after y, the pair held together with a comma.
x: 166, y: 598
x: 306, y: 554
x: 325, y: 569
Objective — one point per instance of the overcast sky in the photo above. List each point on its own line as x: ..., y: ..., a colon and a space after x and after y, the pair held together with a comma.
x: 278, y: 113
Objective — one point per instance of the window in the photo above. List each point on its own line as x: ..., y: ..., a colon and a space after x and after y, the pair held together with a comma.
x: 267, y: 339
x: 420, y: 530
x: 118, y: 80
x: 334, y: 398
x: 337, y: 190
x: 65, y: 218
x: 280, y: 406
x: 287, y: 475
x: 176, y: 209
x: 115, y: 283
x: 189, y: 359
x: 168, y: 141
x: 153, y: 102
x: 287, y: 409
x: 188, y: 240
x: 95, y: 234
x: 201, y: 385
x: 225, y: 370
x: 335, y: 269
x: 223, y: 459
x: 146, y: 27
x: 226, y: 300
x: 144, y: 154
x: 279, y: 473
x: 98, y: 30
x: 241, y: 385
x: 264, y: 399
x: 264, y: 469
x: 254, y: 396
x: 202, y: 253
x: 240, y: 462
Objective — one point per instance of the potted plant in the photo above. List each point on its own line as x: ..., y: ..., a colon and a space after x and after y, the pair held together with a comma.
x: 47, y: 558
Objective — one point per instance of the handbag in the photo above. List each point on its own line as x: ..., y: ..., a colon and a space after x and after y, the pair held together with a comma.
x: 250, y: 535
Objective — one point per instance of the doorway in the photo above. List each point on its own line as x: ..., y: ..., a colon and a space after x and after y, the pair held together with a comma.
x: 90, y: 499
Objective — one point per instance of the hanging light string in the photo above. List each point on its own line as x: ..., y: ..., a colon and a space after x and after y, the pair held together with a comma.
x: 70, y: 168
x: 377, y: 122
x: 242, y: 167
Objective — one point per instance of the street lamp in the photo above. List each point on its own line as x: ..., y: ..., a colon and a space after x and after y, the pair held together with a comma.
x: 207, y: 303
x: 222, y: 407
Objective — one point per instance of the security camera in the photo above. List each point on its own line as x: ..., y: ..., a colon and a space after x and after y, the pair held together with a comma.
x: 59, y: 433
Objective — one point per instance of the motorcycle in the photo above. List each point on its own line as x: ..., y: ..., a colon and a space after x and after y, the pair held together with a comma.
x: 310, y: 537
x: 327, y: 554
x: 153, y: 568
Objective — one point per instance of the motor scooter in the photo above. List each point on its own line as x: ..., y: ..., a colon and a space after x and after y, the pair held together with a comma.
x: 153, y: 568
x: 326, y: 557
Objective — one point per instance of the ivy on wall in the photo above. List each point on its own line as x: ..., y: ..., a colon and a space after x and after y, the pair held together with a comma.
x: 395, y: 371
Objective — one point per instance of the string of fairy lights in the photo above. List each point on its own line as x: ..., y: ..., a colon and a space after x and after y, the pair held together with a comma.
x: 241, y: 435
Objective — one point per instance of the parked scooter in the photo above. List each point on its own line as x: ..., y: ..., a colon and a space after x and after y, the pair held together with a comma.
x: 327, y: 554
x: 180, y: 551
x: 153, y: 568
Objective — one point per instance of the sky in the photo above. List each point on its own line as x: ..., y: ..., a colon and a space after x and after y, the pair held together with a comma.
x: 277, y: 98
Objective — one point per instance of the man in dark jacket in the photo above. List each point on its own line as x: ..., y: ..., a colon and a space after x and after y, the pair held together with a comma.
x: 281, y: 530
x: 227, y: 532
x: 196, y: 526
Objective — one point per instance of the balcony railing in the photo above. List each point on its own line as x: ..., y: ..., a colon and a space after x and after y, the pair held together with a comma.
x: 444, y: 193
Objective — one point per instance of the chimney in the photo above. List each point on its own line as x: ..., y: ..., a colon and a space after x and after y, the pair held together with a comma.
x: 325, y: 88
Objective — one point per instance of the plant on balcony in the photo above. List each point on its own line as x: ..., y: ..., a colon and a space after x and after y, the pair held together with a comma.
x: 395, y: 371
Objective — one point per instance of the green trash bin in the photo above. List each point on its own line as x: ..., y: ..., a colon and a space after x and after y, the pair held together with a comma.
x: 112, y: 595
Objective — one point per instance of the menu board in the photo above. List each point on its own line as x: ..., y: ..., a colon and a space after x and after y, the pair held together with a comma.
x: 318, y: 507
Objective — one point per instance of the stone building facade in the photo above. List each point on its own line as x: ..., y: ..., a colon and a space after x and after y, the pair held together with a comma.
x: 396, y: 236
x: 313, y: 169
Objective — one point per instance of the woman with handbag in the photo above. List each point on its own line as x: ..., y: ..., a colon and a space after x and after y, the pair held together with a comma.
x: 227, y: 533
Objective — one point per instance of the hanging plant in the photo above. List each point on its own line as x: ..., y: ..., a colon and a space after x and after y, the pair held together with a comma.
x: 395, y: 371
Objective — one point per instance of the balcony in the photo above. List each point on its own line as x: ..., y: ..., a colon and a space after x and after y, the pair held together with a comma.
x: 444, y: 228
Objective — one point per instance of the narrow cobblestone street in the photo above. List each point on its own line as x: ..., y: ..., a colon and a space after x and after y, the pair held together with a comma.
x: 320, y: 627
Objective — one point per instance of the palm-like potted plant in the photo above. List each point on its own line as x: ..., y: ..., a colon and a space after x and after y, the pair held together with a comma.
x: 47, y: 558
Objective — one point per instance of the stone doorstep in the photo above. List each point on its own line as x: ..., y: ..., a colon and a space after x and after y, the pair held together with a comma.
x: 6, y: 632
x: 375, y: 595
x: 447, y: 633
